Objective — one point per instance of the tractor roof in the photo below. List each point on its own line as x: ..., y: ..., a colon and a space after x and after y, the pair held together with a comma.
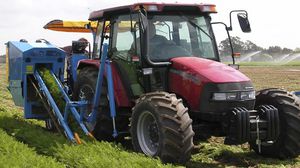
x: 153, y: 7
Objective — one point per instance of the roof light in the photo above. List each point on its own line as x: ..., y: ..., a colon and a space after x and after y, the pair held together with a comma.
x: 152, y: 8
x: 209, y: 8
x: 149, y: 8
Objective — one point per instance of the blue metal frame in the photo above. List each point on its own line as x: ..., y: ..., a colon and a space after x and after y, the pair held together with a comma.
x: 105, y: 67
x: 70, y: 105
x: 58, y: 114
x: 28, y: 57
x: 75, y: 58
x: 24, y: 58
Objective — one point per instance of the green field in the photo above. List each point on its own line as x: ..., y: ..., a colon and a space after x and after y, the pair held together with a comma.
x: 26, y: 143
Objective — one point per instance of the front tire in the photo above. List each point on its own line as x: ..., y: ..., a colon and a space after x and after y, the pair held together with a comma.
x: 161, y: 126
x: 287, y: 144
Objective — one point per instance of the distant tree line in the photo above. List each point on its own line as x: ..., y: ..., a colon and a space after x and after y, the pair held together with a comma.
x: 248, y: 47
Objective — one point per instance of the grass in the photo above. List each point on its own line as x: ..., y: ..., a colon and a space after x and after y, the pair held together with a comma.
x: 90, y: 154
x: 31, y: 137
x: 16, y: 154
x: 285, y: 77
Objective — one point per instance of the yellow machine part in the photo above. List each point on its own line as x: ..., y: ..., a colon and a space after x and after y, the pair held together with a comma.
x: 80, y: 26
x: 70, y: 26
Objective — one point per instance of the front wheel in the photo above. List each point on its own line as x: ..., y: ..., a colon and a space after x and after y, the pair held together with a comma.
x: 287, y: 144
x: 161, y: 126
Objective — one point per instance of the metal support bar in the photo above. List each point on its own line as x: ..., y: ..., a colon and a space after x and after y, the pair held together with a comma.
x: 111, y: 97
x: 61, y: 119
x: 98, y: 91
x: 69, y: 106
x: 105, y: 67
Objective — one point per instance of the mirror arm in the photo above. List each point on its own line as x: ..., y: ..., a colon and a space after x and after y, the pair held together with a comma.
x: 230, y: 17
x: 229, y: 39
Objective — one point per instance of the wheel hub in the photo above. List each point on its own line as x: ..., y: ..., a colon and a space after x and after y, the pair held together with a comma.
x: 147, y: 133
x: 153, y: 133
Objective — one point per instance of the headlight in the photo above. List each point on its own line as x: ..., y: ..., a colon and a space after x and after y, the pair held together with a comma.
x: 231, y: 96
x: 225, y: 96
x: 248, y: 95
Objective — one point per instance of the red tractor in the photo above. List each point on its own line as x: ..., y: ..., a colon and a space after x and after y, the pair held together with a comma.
x: 169, y: 86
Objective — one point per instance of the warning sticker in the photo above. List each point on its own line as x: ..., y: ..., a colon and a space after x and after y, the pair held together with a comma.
x: 29, y: 69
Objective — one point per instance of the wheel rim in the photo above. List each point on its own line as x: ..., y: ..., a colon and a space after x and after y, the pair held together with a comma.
x: 86, y: 93
x: 147, y: 133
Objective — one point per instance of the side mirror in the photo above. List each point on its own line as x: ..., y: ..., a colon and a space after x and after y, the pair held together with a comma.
x: 244, y: 22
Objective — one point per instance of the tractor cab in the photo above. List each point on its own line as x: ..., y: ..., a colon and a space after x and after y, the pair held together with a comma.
x: 145, y: 38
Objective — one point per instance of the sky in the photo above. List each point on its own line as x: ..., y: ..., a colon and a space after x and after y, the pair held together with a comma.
x: 272, y: 22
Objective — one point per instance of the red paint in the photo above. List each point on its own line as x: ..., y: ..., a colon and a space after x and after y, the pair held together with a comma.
x: 121, y: 97
x: 186, y: 89
x: 95, y: 15
x: 206, y: 71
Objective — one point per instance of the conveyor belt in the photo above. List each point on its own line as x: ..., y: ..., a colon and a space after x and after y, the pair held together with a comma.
x: 60, y: 116
x: 47, y: 106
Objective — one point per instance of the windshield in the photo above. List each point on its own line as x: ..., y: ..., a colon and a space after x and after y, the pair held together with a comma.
x: 172, y: 36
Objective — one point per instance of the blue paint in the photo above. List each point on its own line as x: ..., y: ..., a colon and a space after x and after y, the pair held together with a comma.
x: 23, y: 61
x: 70, y: 105
x: 105, y: 67
x: 58, y: 114
x: 75, y: 58
x: 297, y: 93
x: 98, y: 91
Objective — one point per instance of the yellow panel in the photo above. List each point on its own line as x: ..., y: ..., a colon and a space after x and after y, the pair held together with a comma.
x: 70, y: 26
x: 79, y: 26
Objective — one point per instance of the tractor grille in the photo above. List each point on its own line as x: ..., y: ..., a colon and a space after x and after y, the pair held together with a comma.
x: 211, y: 110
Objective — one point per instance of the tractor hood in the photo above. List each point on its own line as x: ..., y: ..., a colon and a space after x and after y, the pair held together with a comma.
x: 207, y: 70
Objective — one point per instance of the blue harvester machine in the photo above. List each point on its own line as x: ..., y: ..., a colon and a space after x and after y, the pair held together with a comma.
x: 29, y: 90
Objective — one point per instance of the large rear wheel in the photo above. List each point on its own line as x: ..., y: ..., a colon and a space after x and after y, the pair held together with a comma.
x: 161, y: 126
x: 287, y: 144
x: 85, y: 90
